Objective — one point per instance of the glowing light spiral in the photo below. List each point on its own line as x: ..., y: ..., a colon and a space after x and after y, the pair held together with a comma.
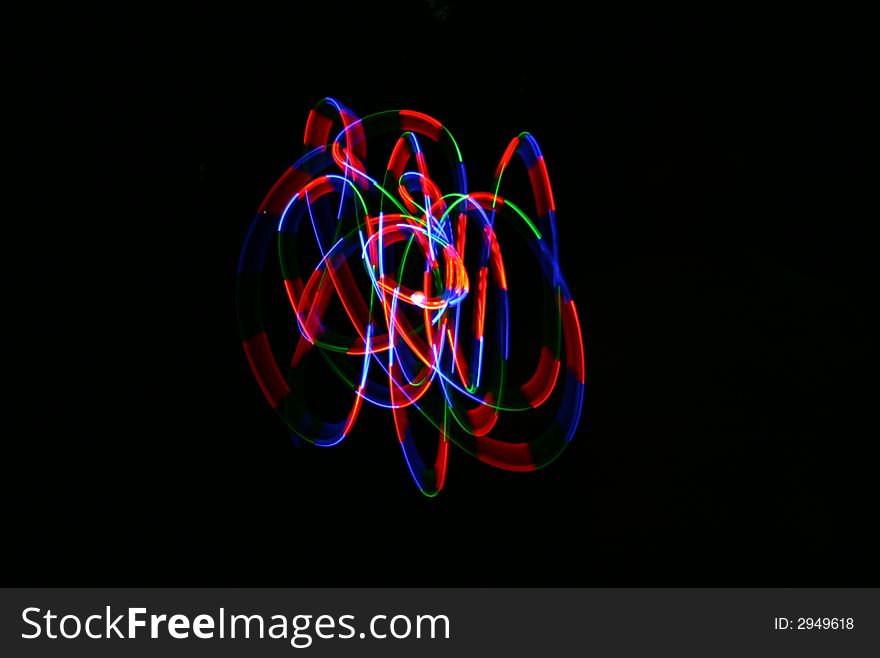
x: 435, y: 348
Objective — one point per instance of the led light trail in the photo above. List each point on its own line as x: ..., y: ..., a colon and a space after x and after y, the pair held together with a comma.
x: 419, y: 285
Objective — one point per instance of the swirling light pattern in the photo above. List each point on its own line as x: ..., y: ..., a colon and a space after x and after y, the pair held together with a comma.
x: 423, y: 294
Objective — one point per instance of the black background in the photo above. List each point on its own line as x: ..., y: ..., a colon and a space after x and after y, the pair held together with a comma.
x: 714, y: 168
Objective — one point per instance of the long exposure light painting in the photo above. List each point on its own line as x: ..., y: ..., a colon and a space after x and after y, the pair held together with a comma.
x: 419, y: 277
